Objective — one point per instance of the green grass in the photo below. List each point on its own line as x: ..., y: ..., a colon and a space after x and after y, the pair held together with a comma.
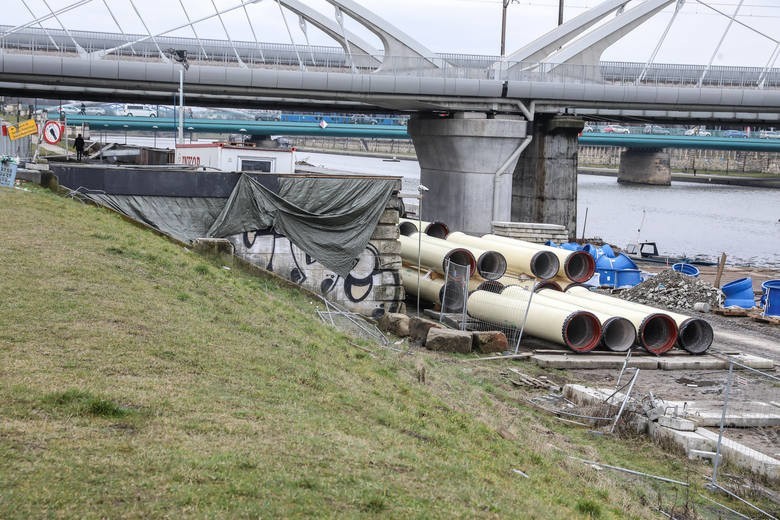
x: 140, y: 380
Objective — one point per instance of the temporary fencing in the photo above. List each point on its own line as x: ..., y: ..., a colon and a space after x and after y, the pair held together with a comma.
x: 746, y: 462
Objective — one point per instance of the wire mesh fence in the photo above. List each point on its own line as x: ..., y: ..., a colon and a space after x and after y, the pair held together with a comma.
x: 746, y: 459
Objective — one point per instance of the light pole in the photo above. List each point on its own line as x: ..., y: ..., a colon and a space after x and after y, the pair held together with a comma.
x: 505, y: 4
x: 180, y: 57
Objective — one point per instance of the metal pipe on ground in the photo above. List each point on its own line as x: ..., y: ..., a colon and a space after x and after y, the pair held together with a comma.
x: 491, y: 265
x: 580, y: 331
x: 657, y: 331
x: 408, y: 227
x: 539, y: 264
x: 434, y: 290
x: 577, y: 266
x: 618, y: 334
x: 435, y: 256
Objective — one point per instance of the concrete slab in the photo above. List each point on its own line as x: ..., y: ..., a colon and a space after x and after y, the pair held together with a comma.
x: 743, y: 456
x: 759, y: 363
x: 592, y: 361
x: 742, y: 414
x: 691, y: 363
x: 688, y: 441
x: 588, y: 396
x: 677, y: 423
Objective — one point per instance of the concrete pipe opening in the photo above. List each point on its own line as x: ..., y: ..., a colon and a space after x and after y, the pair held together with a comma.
x: 491, y: 286
x: 437, y: 229
x: 462, y: 257
x: 579, y: 266
x: 452, y: 297
x: 695, y: 335
x: 618, y: 334
x: 407, y: 228
x: 658, y: 333
x: 491, y: 265
x: 545, y: 265
x: 581, y: 331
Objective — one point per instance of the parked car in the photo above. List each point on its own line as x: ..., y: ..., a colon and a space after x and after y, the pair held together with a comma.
x: 769, y: 134
x: 587, y: 128
x: 138, y: 111
x: 739, y: 134
x: 656, y: 130
x: 616, y: 129
x: 697, y: 130
x: 362, y: 120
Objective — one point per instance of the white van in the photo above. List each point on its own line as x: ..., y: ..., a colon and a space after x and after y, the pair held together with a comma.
x: 138, y: 110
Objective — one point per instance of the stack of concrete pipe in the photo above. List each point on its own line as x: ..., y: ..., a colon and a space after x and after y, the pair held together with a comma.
x: 577, y: 318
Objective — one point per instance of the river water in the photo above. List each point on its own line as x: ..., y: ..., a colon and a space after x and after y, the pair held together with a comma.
x: 688, y: 219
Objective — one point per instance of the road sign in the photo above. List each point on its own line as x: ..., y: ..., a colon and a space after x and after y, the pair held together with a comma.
x: 52, y: 132
x: 7, y: 173
x: 23, y: 129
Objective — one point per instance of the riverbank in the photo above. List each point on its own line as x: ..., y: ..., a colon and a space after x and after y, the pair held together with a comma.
x: 731, y: 180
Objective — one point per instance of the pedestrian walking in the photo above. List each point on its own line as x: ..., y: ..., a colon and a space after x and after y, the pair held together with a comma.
x: 79, y: 144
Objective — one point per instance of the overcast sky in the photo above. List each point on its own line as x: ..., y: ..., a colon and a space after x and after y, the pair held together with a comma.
x: 452, y: 26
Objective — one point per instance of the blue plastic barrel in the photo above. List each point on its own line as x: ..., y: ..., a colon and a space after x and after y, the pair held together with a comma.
x: 739, y: 293
x: 770, y: 298
x: 690, y: 270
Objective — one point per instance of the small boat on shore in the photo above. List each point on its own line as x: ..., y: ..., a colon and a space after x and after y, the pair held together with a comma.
x: 648, y: 252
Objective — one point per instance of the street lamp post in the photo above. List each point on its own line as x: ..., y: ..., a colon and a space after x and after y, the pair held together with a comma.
x: 180, y: 57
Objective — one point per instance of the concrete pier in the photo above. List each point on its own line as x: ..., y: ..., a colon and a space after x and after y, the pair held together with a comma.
x: 640, y: 166
x: 544, y: 185
x: 460, y: 161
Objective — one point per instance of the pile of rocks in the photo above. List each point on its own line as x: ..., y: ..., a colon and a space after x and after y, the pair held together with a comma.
x: 672, y: 289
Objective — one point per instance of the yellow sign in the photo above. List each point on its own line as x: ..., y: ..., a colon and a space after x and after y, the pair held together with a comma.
x: 23, y: 129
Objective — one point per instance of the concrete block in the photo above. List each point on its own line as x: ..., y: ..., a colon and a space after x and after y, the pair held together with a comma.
x: 395, y: 323
x: 685, y: 440
x: 592, y: 361
x: 688, y: 362
x: 759, y: 363
x: 419, y: 327
x: 385, y: 232
x: 677, y: 423
x: 489, y: 342
x: 389, y: 216
x: 448, y: 340
x: 743, y: 456
x: 745, y: 414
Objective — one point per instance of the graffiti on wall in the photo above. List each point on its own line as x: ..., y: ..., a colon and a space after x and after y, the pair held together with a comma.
x: 276, y: 253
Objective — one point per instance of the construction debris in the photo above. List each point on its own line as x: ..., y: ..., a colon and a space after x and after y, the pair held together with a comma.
x: 673, y: 289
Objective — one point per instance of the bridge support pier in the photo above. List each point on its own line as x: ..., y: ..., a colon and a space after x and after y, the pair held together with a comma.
x: 645, y: 166
x: 544, y: 187
x: 460, y: 161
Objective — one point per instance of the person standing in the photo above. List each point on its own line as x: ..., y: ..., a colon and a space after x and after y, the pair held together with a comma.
x: 79, y: 144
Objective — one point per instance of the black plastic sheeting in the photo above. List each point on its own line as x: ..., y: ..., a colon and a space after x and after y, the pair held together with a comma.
x: 330, y: 219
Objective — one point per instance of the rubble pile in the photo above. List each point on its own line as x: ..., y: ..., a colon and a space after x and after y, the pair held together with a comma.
x: 672, y: 289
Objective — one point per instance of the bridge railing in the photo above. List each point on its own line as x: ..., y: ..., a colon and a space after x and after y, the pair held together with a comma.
x: 209, y: 52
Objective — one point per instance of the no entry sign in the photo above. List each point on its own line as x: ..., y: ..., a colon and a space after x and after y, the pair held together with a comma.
x: 52, y: 132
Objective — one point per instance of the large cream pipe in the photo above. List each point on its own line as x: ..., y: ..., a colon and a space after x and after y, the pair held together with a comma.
x: 579, y: 330
x: 409, y: 226
x: 577, y: 266
x: 491, y: 265
x: 434, y: 256
x: 617, y: 333
x: 657, y: 330
x: 530, y: 283
x: 695, y: 335
x: 519, y: 260
x: 477, y: 283
x: 434, y: 291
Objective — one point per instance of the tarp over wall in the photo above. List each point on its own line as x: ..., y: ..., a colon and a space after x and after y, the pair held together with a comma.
x: 331, y: 219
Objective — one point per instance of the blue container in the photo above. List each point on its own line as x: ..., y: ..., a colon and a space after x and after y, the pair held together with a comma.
x: 571, y: 246
x: 690, y: 270
x: 770, y: 298
x: 619, y: 277
x: 739, y: 293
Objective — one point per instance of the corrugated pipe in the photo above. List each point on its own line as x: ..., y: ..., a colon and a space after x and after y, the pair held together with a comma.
x: 491, y: 265
x: 519, y: 260
x: 580, y: 330
x: 577, y: 266
x: 656, y: 330
x: 409, y: 227
x: 434, y: 291
x: 435, y: 256
x: 617, y: 333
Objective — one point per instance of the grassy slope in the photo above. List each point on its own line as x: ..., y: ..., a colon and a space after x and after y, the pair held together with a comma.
x: 138, y: 379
